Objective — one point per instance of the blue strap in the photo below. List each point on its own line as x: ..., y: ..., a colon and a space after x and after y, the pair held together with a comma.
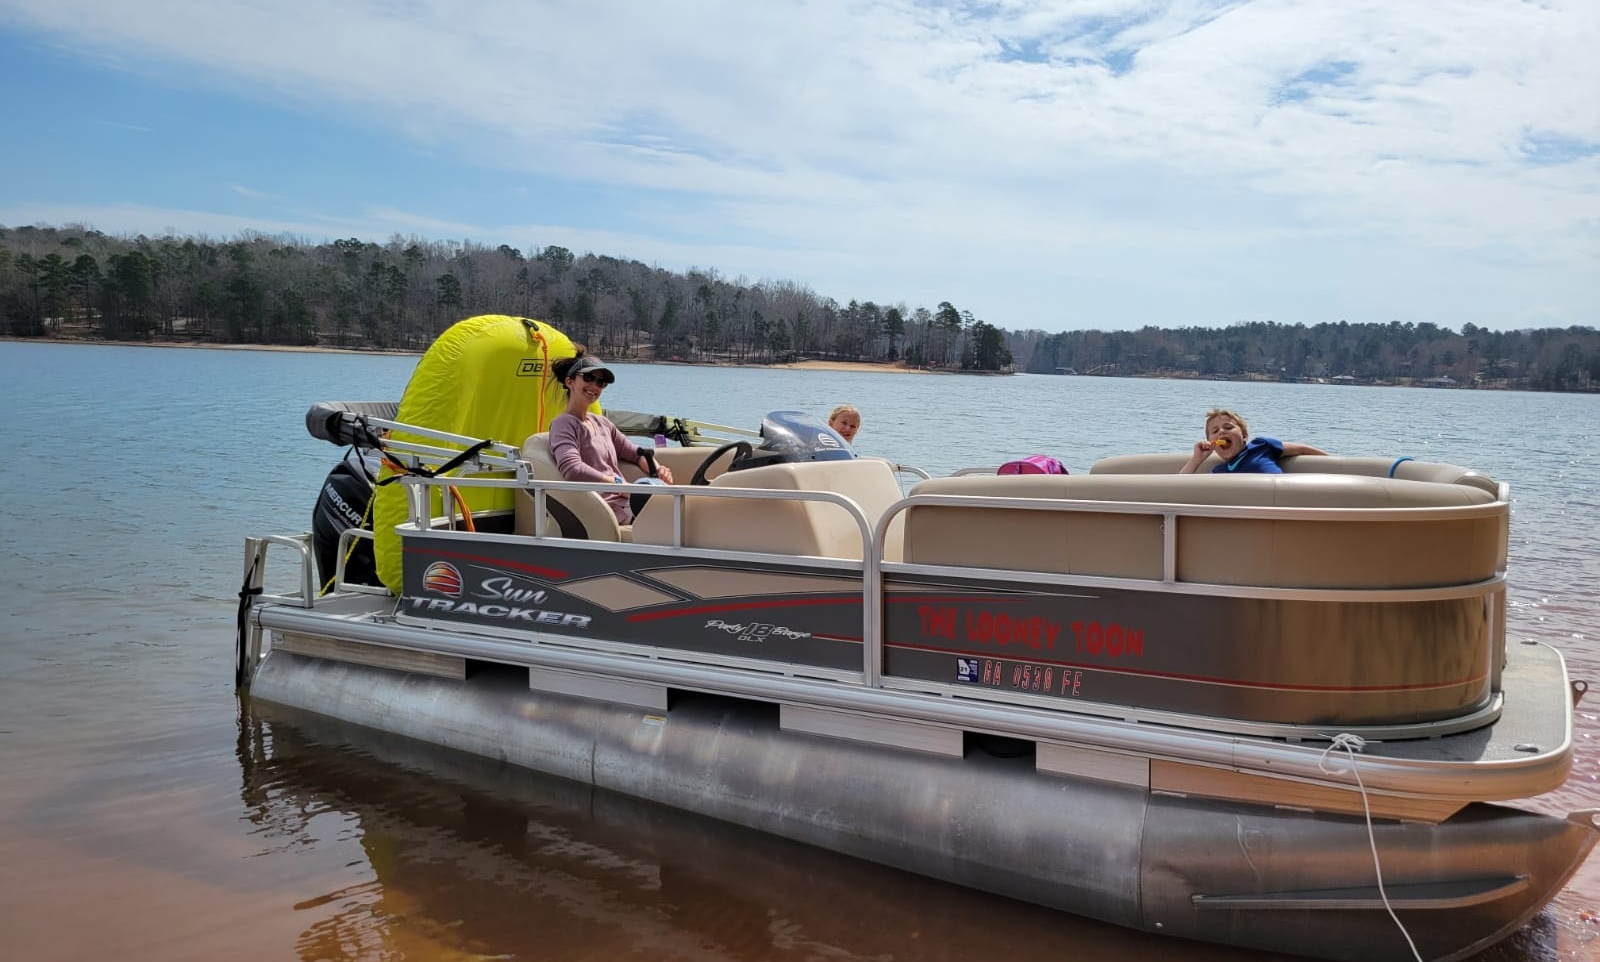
x: 1397, y: 461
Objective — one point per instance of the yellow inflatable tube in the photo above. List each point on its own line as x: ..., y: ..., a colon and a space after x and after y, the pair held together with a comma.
x: 487, y: 377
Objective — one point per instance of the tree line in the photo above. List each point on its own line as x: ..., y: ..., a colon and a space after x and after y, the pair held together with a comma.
x: 400, y: 295
x: 261, y: 289
x: 1548, y: 359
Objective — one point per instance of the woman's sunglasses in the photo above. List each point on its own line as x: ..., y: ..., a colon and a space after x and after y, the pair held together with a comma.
x: 599, y: 378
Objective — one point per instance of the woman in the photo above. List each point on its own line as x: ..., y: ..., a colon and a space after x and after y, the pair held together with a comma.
x: 587, y: 446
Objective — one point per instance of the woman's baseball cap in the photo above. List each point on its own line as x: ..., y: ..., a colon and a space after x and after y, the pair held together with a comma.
x: 589, y: 363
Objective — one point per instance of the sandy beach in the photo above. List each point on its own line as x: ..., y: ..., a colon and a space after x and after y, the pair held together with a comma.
x: 846, y: 366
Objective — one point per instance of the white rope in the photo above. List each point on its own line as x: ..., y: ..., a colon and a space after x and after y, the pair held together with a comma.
x: 1352, y: 744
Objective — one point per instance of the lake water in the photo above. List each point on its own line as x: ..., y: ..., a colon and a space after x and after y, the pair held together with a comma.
x: 147, y: 815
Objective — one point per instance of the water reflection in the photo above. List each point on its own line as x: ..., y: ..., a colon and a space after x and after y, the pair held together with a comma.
x: 470, y: 860
x: 461, y: 858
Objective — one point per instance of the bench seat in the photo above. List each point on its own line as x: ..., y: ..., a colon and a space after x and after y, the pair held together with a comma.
x: 1444, y: 548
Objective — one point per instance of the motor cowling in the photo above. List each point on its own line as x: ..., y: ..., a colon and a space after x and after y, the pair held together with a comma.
x: 789, y: 437
x: 342, y: 504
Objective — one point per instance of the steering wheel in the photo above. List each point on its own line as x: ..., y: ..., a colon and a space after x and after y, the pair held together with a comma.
x: 743, y: 447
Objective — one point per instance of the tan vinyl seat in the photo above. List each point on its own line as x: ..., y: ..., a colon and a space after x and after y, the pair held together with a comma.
x: 1406, y: 469
x: 809, y: 528
x: 1402, y: 468
x: 1279, y: 552
x: 571, y: 514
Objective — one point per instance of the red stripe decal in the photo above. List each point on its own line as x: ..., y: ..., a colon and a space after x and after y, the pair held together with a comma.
x: 894, y: 599
x: 744, y: 606
x: 550, y: 573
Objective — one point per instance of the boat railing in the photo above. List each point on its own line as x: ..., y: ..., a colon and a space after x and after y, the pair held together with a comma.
x: 255, y: 550
x: 678, y: 494
x: 347, y: 537
x: 400, y: 444
x: 875, y: 567
x: 904, y: 471
x: 540, y: 490
x: 253, y: 592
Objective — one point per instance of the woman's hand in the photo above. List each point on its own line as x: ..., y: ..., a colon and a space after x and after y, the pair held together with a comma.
x: 664, y: 473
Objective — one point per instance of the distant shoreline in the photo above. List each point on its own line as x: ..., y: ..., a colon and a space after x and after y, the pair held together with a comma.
x: 867, y: 366
x: 805, y: 365
x: 205, y: 345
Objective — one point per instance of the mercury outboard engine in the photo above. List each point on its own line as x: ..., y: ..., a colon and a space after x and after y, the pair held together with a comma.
x: 791, y: 436
x: 342, y: 504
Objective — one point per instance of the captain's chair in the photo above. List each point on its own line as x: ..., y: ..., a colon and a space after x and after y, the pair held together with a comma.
x: 569, y: 514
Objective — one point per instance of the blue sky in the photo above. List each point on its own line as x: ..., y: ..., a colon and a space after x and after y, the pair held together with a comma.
x: 1052, y: 165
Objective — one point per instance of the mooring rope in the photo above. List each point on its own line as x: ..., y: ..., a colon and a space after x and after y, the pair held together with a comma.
x: 1352, y: 744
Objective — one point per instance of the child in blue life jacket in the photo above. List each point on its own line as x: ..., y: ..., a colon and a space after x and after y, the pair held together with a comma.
x: 1229, y: 437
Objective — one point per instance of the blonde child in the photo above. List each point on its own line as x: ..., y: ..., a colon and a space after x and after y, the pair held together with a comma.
x: 1228, y: 436
x: 846, y: 420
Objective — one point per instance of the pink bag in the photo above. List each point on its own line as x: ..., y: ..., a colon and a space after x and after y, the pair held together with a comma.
x: 1033, y: 464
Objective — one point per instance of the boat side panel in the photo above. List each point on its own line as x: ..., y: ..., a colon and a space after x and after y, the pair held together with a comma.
x: 1269, y: 660
x: 1288, y: 661
x: 784, y: 613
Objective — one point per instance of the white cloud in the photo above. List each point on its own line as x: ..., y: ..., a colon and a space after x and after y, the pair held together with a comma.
x: 1136, y: 145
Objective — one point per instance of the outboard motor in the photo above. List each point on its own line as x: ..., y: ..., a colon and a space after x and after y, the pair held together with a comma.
x: 788, y: 437
x: 343, y: 504
x: 347, y: 490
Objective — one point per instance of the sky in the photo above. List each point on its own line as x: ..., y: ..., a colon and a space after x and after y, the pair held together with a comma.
x: 1043, y: 164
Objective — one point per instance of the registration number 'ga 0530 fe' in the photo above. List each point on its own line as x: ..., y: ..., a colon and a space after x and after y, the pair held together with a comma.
x: 1020, y: 676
